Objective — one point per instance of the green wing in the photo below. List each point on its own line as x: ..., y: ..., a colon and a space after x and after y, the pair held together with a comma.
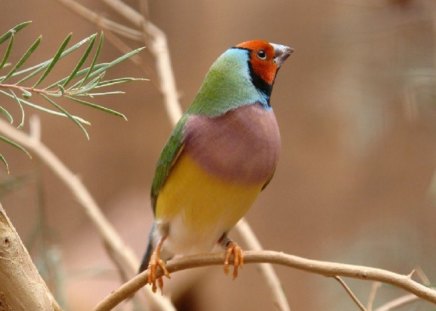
x: 167, y: 158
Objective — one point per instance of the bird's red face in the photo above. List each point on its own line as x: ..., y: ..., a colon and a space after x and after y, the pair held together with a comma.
x: 266, y: 58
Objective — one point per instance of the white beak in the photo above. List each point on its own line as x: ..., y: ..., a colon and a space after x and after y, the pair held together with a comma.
x: 281, y: 53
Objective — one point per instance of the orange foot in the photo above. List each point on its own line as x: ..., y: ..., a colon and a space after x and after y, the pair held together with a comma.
x: 233, y: 249
x: 157, y: 263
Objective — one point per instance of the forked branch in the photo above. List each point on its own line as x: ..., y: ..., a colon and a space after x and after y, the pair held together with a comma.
x: 329, y: 269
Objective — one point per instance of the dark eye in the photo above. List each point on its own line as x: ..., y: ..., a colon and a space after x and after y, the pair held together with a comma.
x: 261, y: 54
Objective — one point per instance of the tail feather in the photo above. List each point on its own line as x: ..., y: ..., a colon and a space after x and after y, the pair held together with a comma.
x: 146, y: 258
x: 148, y: 252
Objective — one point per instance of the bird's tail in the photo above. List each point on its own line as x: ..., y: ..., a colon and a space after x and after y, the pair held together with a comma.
x: 148, y: 252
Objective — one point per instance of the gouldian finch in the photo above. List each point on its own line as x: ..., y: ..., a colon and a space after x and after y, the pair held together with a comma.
x: 220, y: 156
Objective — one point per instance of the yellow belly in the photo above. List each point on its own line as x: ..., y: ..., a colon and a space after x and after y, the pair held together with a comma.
x: 204, y: 203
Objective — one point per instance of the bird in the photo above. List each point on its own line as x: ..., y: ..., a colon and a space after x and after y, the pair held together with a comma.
x: 221, y: 154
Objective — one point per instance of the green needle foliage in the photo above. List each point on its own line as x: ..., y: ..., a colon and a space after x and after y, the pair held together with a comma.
x: 81, y: 86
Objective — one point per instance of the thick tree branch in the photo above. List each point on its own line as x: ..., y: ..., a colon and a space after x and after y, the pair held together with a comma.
x: 21, y: 286
x: 328, y: 269
x: 122, y: 256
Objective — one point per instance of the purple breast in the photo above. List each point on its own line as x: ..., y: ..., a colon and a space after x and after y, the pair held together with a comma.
x: 243, y: 145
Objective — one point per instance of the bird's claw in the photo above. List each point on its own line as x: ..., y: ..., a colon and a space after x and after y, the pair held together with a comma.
x: 152, y: 279
x: 236, y: 251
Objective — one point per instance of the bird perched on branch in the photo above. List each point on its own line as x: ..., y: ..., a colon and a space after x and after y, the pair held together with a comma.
x: 220, y: 156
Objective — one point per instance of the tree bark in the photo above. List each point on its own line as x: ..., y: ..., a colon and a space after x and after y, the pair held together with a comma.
x: 21, y: 286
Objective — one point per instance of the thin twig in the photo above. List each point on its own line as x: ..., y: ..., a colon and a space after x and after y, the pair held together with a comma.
x: 124, y: 48
x: 122, y: 255
x: 28, y: 89
x: 266, y: 270
x: 422, y: 276
x: 399, y: 302
x: 159, y: 49
x: 350, y: 293
x: 121, y: 46
x: 372, y: 294
x: 158, y: 46
x: 103, y: 22
x: 35, y: 127
x: 329, y: 269
x: 130, y: 14
x: 82, y: 195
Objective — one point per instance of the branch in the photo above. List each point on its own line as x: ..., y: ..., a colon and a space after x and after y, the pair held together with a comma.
x: 81, y: 85
x: 21, y: 286
x: 328, y: 269
x: 266, y: 270
x: 399, y: 302
x: 103, y: 22
x: 82, y: 195
x: 350, y: 293
x: 371, y: 298
x: 158, y: 46
x: 121, y: 255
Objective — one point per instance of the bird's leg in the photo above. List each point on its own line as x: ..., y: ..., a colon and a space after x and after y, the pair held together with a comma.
x: 157, y: 263
x: 232, y: 249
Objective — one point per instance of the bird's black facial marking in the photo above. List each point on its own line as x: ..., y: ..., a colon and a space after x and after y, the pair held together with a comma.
x: 260, y: 84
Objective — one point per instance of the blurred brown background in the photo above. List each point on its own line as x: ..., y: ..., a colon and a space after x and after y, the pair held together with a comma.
x: 356, y: 104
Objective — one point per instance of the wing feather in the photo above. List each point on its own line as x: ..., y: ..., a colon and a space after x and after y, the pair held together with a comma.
x: 168, y: 157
